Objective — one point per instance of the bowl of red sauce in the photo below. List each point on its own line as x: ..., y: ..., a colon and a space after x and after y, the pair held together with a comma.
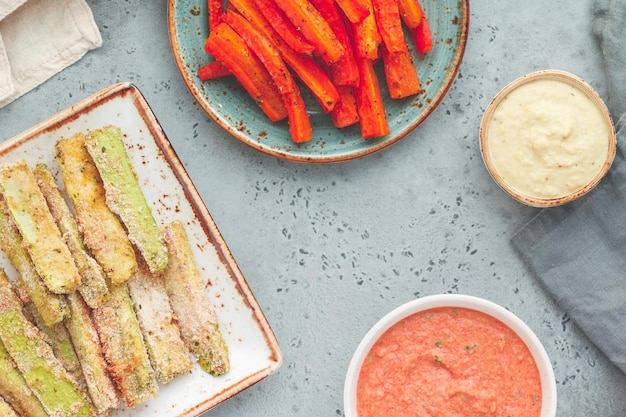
x: 450, y: 355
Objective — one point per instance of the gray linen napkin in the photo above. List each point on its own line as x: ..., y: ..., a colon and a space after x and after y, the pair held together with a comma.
x: 578, y: 251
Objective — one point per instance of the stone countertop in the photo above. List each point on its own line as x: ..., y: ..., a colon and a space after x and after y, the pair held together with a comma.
x: 329, y: 249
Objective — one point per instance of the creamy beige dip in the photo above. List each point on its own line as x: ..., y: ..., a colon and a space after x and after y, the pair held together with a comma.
x: 547, y: 139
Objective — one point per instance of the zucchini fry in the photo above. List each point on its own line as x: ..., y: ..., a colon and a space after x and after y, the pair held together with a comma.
x: 13, y: 387
x: 196, y: 314
x: 57, y: 335
x: 124, y: 196
x: 6, y: 410
x: 42, y: 238
x: 87, y: 346
x: 168, y: 353
x: 93, y: 285
x: 42, y: 371
x: 124, y: 348
x: 102, y: 232
x: 52, y: 307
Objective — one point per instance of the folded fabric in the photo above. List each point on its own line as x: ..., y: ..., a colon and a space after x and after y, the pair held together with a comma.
x: 8, y: 6
x: 578, y: 251
x: 40, y: 38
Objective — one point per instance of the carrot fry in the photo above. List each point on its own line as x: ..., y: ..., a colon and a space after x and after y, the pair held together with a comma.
x: 369, y: 102
x: 299, y: 123
x: 213, y: 70
x: 345, y: 114
x: 315, y: 29
x: 423, y: 37
x: 389, y: 25
x: 216, y: 10
x: 366, y: 38
x: 227, y: 46
x: 400, y: 73
x: 344, y: 71
x: 355, y: 10
x: 307, y: 70
x: 411, y: 12
x: 284, y: 27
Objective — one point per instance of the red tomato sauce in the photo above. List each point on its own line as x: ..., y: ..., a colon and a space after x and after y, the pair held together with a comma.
x: 449, y: 362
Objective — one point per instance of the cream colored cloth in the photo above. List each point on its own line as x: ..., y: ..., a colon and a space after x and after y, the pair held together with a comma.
x: 39, y: 38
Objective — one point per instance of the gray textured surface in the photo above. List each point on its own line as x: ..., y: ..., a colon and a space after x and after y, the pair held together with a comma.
x: 329, y: 249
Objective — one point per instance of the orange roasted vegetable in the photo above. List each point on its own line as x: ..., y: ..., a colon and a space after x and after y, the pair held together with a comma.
x: 389, y: 25
x: 423, y: 37
x: 369, y: 102
x: 213, y: 70
x: 228, y: 47
x: 283, y: 26
x: 314, y: 27
x: 411, y: 12
x: 366, y: 38
x: 344, y: 71
x: 345, y: 114
x: 307, y: 70
x: 215, y: 10
x: 400, y: 74
x: 355, y: 10
x: 299, y: 123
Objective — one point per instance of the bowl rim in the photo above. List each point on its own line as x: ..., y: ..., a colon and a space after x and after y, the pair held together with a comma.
x: 590, y: 92
x: 546, y: 372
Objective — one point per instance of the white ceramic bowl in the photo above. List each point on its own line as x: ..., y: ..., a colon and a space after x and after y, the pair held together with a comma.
x: 546, y: 373
x: 531, y: 149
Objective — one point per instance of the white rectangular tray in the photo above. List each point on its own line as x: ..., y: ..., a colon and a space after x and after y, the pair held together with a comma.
x: 254, y: 350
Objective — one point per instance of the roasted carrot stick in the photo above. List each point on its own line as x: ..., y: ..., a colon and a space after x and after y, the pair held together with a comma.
x: 411, y: 12
x: 284, y: 27
x: 400, y: 73
x: 216, y: 10
x: 303, y: 66
x: 344, y: 71
x: 389, y: 25
x: 355, y: 10
x: 366, y: 38
x: 345, y: 114
x: 369, y: 102
x: 315, y: 29
x: 261, y: 46
x: 423, y: 37
x: 299, y: 123
x: 213, y: 70
x: 227, y: 46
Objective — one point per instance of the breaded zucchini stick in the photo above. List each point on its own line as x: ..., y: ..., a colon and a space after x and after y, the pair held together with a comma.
x: 41, y: 236
x: 52, y: 307
x: 93, y: 285
x: 6, y: 410
x: 124, y: 195
x: 196, y: 314
x: 87, y: 346
x: 102, y: 232
x: 124, y: 348
x: 168, y: 353
x: 13, y: 387
x: 42, y: 371
x: 57, y: 335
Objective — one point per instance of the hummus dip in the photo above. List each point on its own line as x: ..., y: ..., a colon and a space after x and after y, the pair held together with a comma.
x: 448, y: 362
x: 547, y: 139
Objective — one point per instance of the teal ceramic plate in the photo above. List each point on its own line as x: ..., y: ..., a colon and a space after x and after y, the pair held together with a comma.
x: 231, y: 107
